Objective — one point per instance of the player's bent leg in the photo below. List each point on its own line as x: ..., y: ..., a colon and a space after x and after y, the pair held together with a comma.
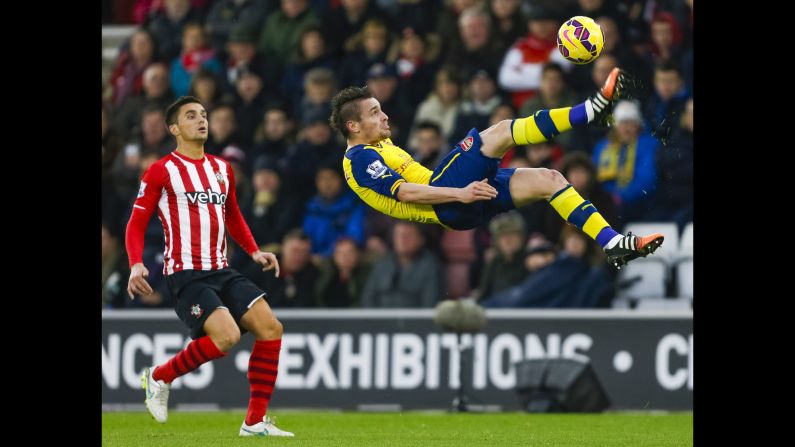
x: 528, y: 185
x: 263, y: 366
x: 156, y: 381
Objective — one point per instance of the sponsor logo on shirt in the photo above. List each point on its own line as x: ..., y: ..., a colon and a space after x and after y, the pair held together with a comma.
x: 206, y: 197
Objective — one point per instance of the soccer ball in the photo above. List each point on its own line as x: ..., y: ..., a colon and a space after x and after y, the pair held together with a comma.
x: 580, y: 40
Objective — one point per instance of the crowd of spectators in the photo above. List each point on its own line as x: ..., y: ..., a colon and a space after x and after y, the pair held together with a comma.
x: 266, y: 71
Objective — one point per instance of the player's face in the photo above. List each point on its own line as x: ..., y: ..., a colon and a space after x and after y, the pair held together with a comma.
x: 373, y: 122
x: 192, y: 123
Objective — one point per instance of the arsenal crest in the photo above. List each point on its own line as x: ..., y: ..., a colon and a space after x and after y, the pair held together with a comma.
x: 466, y: 144
x: 196, y: 311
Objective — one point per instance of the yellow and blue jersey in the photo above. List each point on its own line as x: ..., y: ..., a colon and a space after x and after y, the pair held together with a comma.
x: 375, y: 173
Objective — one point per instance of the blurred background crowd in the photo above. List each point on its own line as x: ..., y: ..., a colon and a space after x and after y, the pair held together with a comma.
x: 266, y: 71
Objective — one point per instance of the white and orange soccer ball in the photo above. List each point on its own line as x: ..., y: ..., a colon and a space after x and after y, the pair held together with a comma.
x: 580, y: 40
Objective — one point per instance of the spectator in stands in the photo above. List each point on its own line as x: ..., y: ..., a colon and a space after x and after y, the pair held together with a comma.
x: 195, y: 54
x: 319, y: 87
x: 521, y: 69
x: 625, y: 162
x: 206, y: 87
x: 282, y: 31
x: 127, y: 75
x: 343, y: 23
x: 419, y: 15
x: 295, y: 286
x: 153, y: 139
x: 477, y: 108
x: 273, y: 137
x: 250, y: 102
x: 223, y: 130
x: 335, y: 211
x: 477, y: 47
x: 416, y: 64
x: 157, y: 93
x: 585, y: 138
x: 675, y: 175
x: 428, y: 149
x: 315, y: 147
x: 311, y: 53
x: 663, y: 110
x: 616, y: 44
x: 509, y: 23
x: 552, y: 94
x: 273, y: 210
x: 363, y: 50
x: 342, y: 277
x: 447, y: 26
x: 505, y: 260
x: 666, y: 39
x: 408, y: 276
x: 111, y: 151
x: 166, y: 26
x: 382, y: 82
x: 241, y: 55
x: 227, y: 14
x: 443, y: 104
x: 114, y: 269
x: 237, y: 159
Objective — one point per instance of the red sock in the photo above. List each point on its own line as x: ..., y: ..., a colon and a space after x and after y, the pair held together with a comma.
x: 198, y: 352
x: 262, y: 368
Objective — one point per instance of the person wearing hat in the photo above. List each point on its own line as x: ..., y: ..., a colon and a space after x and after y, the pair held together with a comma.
x: 625, y: 162
x: 241, y: 55
x: 468, y: 188
x: 506, y: 268
x: 520, y: 72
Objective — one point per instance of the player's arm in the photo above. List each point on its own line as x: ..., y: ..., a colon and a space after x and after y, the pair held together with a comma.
x: 370, y: 170
x: 148, y: 195
x: 241, y: 233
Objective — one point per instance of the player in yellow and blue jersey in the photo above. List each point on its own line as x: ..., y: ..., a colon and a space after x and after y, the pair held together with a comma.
x: 468, y: 188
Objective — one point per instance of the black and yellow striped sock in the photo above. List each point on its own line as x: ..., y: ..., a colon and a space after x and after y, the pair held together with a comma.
x: 582, y: 214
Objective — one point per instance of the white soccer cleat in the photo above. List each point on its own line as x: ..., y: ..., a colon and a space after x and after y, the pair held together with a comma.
x: 156, y: 395
x: 264, y: 428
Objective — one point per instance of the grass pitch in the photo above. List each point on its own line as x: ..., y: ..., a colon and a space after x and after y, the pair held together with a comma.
x: 405, y: 429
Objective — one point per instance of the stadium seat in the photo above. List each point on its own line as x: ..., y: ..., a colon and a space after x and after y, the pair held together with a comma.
x: 684, y: 278
x: 459, y: 246
x: 668, y: 304
x: 643, y: 278
x: 667, y: 252
x: 686, y: 243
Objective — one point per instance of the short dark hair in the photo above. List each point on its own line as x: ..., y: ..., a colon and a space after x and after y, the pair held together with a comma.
x: 173, y: 110
x: 667, y: 65
x: 428, y: 125
x: 553, y: 66
x: 345, y: 107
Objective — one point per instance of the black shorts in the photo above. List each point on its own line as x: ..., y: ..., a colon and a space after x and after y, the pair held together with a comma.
x: 198, y: 293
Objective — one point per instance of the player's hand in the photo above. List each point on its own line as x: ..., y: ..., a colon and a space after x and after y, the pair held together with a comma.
x: 266, y: 260
x: 137, y: 284
x: 475, y: 191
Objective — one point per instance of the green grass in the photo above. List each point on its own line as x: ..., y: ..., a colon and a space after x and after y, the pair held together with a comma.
x: 405, y: 429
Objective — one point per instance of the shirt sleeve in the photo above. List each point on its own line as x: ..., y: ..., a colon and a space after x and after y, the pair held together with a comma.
x: 370, y: 170
x: 235, y: 223
x: 148, y: 195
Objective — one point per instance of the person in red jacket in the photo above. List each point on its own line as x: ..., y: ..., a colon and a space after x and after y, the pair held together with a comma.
x: 194, y: 196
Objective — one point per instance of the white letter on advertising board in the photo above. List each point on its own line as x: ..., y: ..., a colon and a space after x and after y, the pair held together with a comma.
x: 287, y: 360
x: 363, y: 360
x: 110, y: 361
x: 321, y: 361
x: 575, y: 342
x: 504, y: 342
x: 667, y: 380
x: 132, y: 374
x: 407, y: 364
x: 432, y: 362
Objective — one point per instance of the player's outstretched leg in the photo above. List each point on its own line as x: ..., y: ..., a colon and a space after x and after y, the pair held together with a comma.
x: 156, y: 380
x: 528, y: 185
x: 263, y: 366
x: 546, y: 124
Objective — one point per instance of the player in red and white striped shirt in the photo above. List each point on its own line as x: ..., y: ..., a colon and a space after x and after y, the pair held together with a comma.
x: 194, y: 196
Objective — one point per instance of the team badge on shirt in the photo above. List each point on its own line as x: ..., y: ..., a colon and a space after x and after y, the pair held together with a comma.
x: 466, y: 144
x: 220, y: 177
x: 375, y: 169
x: 196, y: 311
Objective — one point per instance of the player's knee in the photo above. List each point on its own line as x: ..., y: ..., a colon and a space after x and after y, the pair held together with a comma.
x: 227, y: 338
x: 275, y: 328
x: 556, y: 180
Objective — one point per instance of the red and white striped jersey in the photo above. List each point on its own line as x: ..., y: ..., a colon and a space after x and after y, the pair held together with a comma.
x: 195, y: 201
